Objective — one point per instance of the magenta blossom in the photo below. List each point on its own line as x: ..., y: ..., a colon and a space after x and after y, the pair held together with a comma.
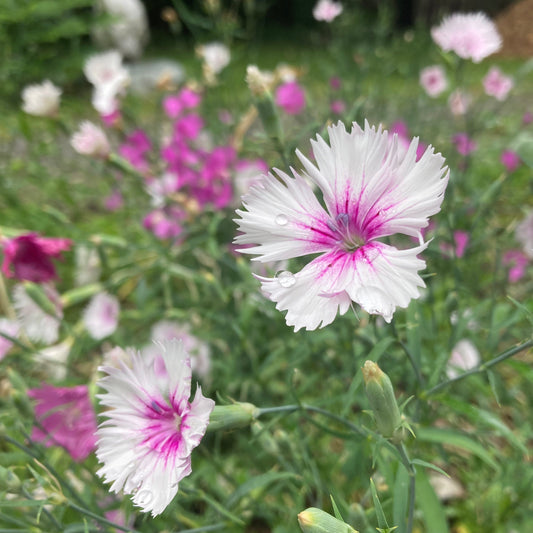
x: 338, y: 107
x: 29, y: 257
x: 290, y: 97
x: 335, y: 83
x: 175, y: 104
x: 66, y: 418
x: 461, y: 239
x: 527, y: 118
x: 497, y: 84
x: 517, y: 261
x: 510, y: 160
x: 165, y: 223
x: 146, y: 442
x: 369, y: 189
x: 464, y: 144
x: 470, y: 35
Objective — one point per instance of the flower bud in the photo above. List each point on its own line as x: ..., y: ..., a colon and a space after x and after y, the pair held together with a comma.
x: 314, y: 520
x: 382, y: 400
x: 40, y: 297
x: 9, y: 482
x: 232, y: 416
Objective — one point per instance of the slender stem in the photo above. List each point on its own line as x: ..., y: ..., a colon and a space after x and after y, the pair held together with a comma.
x: 204, y: 528
x: 46, y: 512
x: 412, y: 485
x: 481, y: 368
x: 100, y: 519
x: 5, y: 304
x: 312, y: 409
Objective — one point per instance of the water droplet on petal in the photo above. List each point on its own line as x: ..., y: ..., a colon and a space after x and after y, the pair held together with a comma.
x: 281, y: 220
x: 286, y: 279
x: 145, y: 497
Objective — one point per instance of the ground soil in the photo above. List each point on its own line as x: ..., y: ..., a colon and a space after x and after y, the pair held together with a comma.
x: 515, y: 25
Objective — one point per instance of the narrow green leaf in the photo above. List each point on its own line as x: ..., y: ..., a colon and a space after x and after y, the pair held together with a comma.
x: 336, y: 511
x: 429, y: 465
x: 427, y: 501
x: 380, y: 515
x: 400, y: 498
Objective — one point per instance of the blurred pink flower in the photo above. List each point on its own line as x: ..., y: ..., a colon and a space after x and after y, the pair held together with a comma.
x: 29, y: 257
x: 338, y: 107
x: 465, y: 356
x: 66, y: 417
x: 291, y: 98
x: 165, y: 223
x: 100, y: 317
x: 497, y: 84
x: 90, y: 140
x: 327, y: 10
x: 335, y: 83
x: 10, y: 328
x: 524, y: 234
x: 470, y: 35
x: 459, y: 102
x: 518, y: 261
x: 527, y: 118
x: 134, y: 150
x: 173, y: 105
x: 464, y: 144
x: 111, y: 119
x: 433, y: 80
x: 248, y: 172
x: 189, y: 126
x: 114, y: 201
x: 510, y: 159
x: 461, y: 239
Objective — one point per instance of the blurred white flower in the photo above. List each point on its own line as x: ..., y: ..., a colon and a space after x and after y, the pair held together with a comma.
x: 90, y: 140
x: 327, y: 10
x: 116, y: 356
x: 101, y: 315
x: 459, y: 102
x: 38, y: 325
x: 41, y: 100
x: 465, y: 356
x: 446, y: 488
x: 259, y: 81
x: 524, y: 234
x: 128, y: 31
x: 53, y: 360
x: 216, y: 56
x: 110, y: 79
x: 88, y: 267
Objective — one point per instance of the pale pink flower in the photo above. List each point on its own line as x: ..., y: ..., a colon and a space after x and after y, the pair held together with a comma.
x: 497, y: 84
x: 510, y: 159
x: 41, y: 99
x: 109, y: 78
x: 291, y: 98
x: 90, y: 140
x: 517, y: 261
x: 433, y: 80
x: 38, y: 325
x: 527, y: 118
x: 524, y: 234
x: 459, y: 102
x: 327, y: 10
x: 370, y: 191
x: 248, y: 172
x: 114, y: 201
x: 461, y: 239
x: 100, y: 317
x: 198, y: 350
x: 9, y: 328
x: 464, y: 144
x: 66, y: 418
x: 470, y: 35
x: 146, y: 442
x: 465, y: 356
x: 338, y: 107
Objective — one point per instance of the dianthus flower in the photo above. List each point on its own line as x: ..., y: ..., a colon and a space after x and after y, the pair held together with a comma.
x: 371, y: 189
x: 470, y: 35
x: 41, y: 100
x: 290, y: 97
x: 29, y: 257
x: 433, y: 80
x: 497, y: 84
x: 146, y: 442
x: 327, y: 10
x: 464, y: 356
x: 100, y: 317
x: 90, y: 140
x: 66, y: 418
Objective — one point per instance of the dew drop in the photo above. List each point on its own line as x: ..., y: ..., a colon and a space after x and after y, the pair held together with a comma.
x: 145, y: 497
x: 281, y: 220
x: 286, y: 279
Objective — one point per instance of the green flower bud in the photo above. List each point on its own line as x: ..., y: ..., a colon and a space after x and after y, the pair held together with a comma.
x: 314, y: 520
x: 80, y: 294
x: 382, y: 400
x: 232, y: 416
x: 39, y: 296
x: 9, y: 481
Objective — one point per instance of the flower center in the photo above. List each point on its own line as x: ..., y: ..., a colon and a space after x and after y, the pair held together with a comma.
x: 177, y: 421
x: 349, y: 240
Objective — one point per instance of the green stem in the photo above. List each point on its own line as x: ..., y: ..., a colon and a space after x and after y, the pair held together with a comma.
x: 213, y: 527
x: 100, y: 519
x: 412, y: 485
x: 45, y: 511
x: 311, y: 409
x: 481, y: 368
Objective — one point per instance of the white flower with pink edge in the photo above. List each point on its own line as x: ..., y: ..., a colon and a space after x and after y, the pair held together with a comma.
x: 146, y: 442
x: 370, y: 190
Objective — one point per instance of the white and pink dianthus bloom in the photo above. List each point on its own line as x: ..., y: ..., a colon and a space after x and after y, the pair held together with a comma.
x: 90, y: 140
x: 433, y: 80
x: 464, y: 356
x: 371, y: 189
x: 110, y: 79
x: 41, y: 99
x: 497, y: 84
x: 327, y: 10
x: 101, y: 315
x: 146, y: 442
x: 470, y: 35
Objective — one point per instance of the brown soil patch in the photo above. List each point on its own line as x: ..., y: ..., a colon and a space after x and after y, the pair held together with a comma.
x: 515, y: 25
